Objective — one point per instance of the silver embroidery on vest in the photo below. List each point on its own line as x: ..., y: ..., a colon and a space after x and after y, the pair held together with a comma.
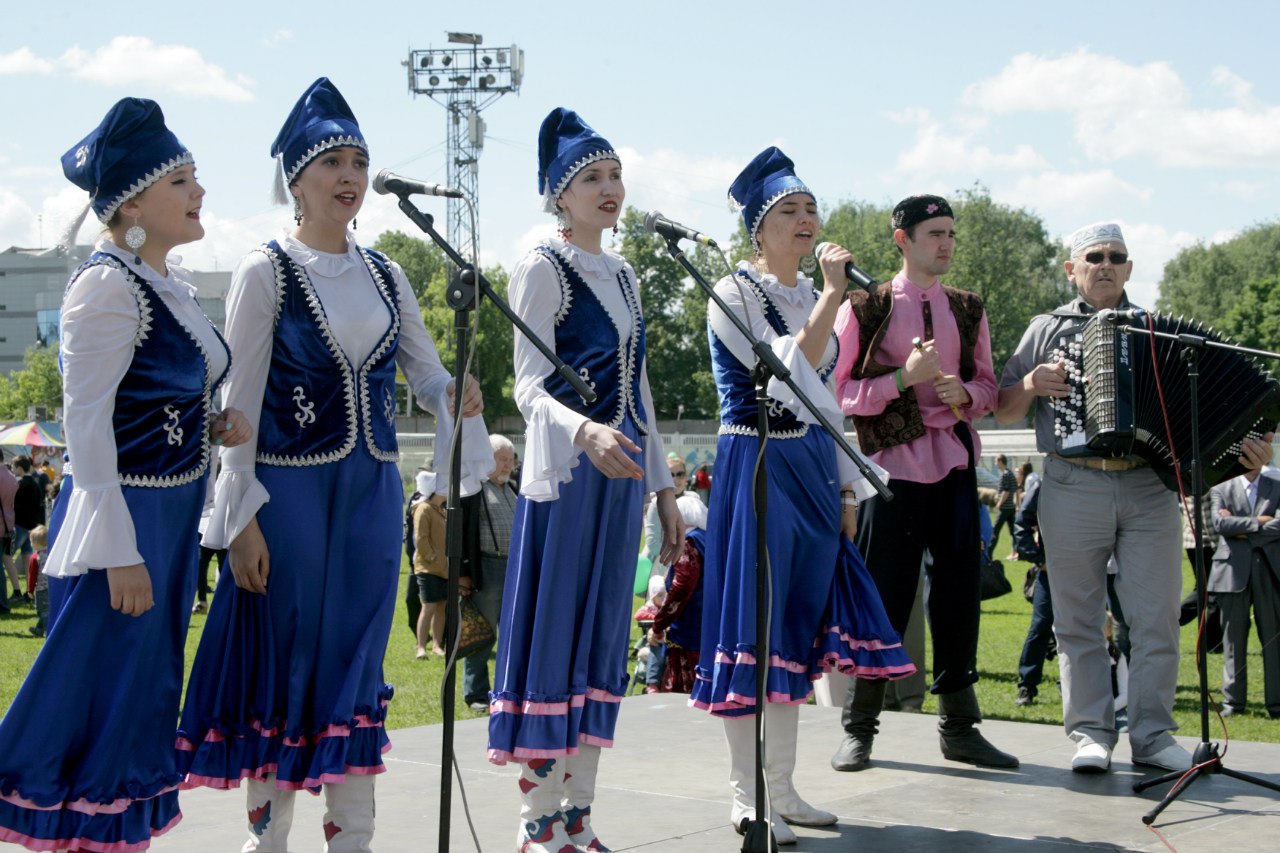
x: 304, y: 415
x: 171, y: 426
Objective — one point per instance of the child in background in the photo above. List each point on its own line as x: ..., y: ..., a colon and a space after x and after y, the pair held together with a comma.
x: 40, y: 589
x: 654, y: 661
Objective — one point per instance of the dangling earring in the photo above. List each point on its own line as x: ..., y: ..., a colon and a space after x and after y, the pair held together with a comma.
x: 297, y: 211
x: 615, y: 230
x: 808, y: 264
x: 354, y: 224
x: 562, y: 226
x: 134, y: 238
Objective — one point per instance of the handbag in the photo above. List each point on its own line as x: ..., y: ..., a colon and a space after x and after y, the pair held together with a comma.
x: 994, y: 583
x: 1029, y: 584
x: 474, y: 631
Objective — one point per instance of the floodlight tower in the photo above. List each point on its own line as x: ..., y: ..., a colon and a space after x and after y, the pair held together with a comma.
x: 465, y: 80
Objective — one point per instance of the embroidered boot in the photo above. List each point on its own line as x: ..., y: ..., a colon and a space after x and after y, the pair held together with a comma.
x: 740, y: 732
x: 348, y: 815
x: 541, y: 792
x: 579, y: 792
x: 270, y: 816
x: 782, y: 728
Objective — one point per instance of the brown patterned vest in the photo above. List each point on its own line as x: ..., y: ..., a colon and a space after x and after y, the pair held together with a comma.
x: 900, y: 422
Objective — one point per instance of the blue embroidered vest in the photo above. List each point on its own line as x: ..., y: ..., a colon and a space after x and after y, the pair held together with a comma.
x: 163, y: 404
x: 317, y: 405
x: 738, y: 411
x: 587, y: 340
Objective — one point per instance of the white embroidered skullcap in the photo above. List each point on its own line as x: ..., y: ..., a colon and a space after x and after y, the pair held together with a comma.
x: 1092, y: 235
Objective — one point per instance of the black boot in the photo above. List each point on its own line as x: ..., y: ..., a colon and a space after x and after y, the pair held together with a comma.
x: 860, y: 719
x: 958, y: 713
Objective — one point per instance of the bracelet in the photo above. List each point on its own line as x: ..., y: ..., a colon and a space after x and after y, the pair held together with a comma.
x: 853, y: 502
x: 897, y: 380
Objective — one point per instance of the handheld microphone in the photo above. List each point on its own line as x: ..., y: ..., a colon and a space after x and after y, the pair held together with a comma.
x: 388, y: 181
x: 1116, y: 315
x: 656, y: 223
x: 852, y: 271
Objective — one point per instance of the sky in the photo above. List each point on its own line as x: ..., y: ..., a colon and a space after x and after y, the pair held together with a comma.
x: 1162, y: 116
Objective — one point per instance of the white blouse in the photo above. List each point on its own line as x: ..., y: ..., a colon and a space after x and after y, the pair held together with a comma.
x: 550, y: 454
x: 795, y: 304
x: 358, y: 318
x: 100, y: 323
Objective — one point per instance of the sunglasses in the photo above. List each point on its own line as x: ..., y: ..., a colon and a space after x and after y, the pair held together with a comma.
x: 1116, y: 258
x: 679, y: 473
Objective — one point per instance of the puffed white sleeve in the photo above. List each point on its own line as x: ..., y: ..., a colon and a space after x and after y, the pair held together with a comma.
x: 550, y: 452
x: 100, y: 323
x: 251, y: 318
x: 742, y: 302
x: 419, y: 359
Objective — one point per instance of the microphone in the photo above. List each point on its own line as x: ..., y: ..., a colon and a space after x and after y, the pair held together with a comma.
x: 1131, y: 315
x: 852, y: 271
x: 388, y: 181
x: 656, y: 223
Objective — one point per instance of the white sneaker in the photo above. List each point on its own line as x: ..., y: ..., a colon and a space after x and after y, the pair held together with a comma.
x: 1172, y: 757
x: 1091, y: 757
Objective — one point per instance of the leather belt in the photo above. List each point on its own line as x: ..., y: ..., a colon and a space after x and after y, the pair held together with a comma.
x: 1102, y: 463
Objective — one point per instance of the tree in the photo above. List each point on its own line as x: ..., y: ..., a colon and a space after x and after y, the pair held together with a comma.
x: 1254, y: 318
x: 428, y: 272
x: 675, y: 313
x: 1207, y: 282
x: 37, y: 384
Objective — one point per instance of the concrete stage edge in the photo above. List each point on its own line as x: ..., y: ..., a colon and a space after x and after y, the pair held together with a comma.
x: 663, y: 787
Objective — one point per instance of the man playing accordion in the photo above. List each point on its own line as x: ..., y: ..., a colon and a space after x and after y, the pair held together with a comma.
x: 1093, y: 506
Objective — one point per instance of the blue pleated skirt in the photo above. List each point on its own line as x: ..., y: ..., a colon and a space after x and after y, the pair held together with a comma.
x: 561, y: 667
x: 291, y: 683
x: 825, y: 612
x: 86, y: 748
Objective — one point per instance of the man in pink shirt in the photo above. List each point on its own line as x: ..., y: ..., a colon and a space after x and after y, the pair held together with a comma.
x: 914, y: 370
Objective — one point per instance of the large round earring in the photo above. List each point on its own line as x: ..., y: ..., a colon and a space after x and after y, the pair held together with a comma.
x: 562, y: 226
x: 808, y: 264
x: 134, y: 238
x: 297, y: 211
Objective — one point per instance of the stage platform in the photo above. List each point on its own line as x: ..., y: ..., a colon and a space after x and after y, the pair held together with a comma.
x: 663, y: 788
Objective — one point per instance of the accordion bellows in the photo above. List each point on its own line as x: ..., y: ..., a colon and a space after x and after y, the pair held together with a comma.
x: 1132, y: 396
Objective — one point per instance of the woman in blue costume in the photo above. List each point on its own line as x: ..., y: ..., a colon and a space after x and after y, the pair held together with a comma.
x: 287, y: 689
x: 86, y: 749
x: 561, y: 664
x: 825, y: 612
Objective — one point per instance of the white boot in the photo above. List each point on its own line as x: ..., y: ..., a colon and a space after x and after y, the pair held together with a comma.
x: 541, y: 792
x: 348, y: 815
x: 579, y: 792
x: 270, y: 816
x: 740, y: 732
x: 782, y: 726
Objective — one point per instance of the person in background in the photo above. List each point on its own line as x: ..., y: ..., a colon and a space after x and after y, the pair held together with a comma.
x: 40, y: 589
x: 1006, y: 504
x: 677, y: 624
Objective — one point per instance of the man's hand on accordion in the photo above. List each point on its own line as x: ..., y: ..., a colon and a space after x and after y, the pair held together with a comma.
x: 1048, y: 380
x: 1256, y: 451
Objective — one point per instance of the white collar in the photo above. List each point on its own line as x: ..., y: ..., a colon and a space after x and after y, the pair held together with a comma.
x: 801, y: 294
x: 606, y: 264
x: 316, y: 262
x: 177, y: 283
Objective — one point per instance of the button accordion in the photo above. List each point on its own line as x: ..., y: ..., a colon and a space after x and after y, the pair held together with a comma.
x: 1115, y: 408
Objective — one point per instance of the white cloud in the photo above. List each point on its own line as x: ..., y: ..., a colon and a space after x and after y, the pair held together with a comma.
x: 1238, y: 189
x: 131, y: 60
x: 1071, y: 192
x: 938, y: 149
x: 1121, y: 110
x: 277, y: 38
x: 23, y: 61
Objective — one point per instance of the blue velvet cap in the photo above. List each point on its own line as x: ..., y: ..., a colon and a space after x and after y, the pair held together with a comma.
x: 320, y: 120
x: 129, y: 151
x: 566, y: 143
x: 766, y: 180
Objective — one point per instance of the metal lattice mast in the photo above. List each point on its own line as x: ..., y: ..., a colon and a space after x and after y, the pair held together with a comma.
x: 464, y: 80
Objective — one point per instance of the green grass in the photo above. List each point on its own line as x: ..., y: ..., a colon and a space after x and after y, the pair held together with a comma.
x: 1004, y: 625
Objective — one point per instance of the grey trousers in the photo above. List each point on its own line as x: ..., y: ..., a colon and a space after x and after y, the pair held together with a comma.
x: 1263, y: 594
x: 1085, y: 517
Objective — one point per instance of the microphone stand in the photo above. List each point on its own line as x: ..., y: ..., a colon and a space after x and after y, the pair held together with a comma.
x: 757, y: 834
x: 1206, y: 759
x: 463, y: 297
